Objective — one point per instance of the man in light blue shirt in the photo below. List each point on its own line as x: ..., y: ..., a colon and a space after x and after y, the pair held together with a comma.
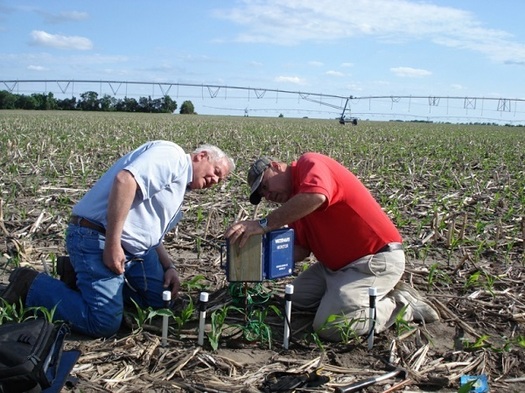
x: 115, y: 237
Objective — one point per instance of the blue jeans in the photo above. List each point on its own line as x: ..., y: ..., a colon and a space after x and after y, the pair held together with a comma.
x: 96, y: 309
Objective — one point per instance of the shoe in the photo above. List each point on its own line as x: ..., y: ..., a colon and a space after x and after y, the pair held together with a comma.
x: 422, y: 311
x: 20, y: 281
x: 66, y: 272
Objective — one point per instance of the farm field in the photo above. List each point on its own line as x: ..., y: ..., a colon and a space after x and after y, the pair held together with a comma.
x: 456, y: 192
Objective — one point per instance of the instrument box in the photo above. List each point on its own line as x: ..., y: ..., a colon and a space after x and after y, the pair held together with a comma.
x: 263, y: 257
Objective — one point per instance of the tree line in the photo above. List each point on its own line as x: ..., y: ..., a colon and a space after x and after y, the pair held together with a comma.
x: 90, y: 101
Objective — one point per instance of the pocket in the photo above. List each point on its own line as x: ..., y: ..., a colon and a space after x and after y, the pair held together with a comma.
x: 361, y: 265
x: 91, y: 242
x: 377, y: 264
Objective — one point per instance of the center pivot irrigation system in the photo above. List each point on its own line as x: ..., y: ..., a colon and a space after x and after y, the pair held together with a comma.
x: 346, y: 109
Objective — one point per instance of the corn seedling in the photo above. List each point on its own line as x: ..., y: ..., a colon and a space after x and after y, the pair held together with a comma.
x: 49, y: 315
x: 185, y: 315
x: 218, y: 318
x: 436, y: 275
x: 314, y: 337
x: 481, y: 279
x: 480, y: 343
x: 11, y: 312
x: 346, y: 327
x: 142, y: 316
x: 198, y: 246
x: 519, y: 342
x: 194, y: 284
x: 400, y: 323
x: 256, y: 329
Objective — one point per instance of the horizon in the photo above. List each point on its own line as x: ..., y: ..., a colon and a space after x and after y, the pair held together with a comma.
x: 309, y: 104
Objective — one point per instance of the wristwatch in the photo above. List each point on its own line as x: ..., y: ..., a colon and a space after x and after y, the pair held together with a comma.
x: 263, y: 222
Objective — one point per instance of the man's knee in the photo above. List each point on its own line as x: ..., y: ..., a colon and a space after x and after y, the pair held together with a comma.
x: 104, y: 326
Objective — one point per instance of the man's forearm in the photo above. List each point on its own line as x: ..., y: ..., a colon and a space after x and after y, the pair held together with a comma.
x: 295, y: 208
x: 164, y: 258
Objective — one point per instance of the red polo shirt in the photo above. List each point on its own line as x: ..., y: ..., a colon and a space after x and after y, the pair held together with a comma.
x: 350, y: 225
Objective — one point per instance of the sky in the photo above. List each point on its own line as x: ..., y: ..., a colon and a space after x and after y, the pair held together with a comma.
x: 407, y: 59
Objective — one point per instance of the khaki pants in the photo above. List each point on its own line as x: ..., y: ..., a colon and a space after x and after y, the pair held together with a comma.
x: 341, y: 297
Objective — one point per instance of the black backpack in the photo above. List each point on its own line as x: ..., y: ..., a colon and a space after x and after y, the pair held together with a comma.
x: 30, y: 355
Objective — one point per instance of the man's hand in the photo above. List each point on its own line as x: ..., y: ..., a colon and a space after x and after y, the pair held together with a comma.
x: 114, y: 258
x: 242, y: 230
x: 171, y: 279
x: 296, y: 207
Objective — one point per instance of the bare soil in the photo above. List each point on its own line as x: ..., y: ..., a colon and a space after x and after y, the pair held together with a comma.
x: 474, y: 337
x: 479, y: 295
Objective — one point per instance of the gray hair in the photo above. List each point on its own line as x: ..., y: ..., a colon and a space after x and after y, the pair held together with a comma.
x: 216, y: 154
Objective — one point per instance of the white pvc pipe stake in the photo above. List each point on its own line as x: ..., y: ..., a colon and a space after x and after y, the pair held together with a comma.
x: 166, y: 297
x: 288, y: 313
x: 372, y: 293
x: 202, y: 316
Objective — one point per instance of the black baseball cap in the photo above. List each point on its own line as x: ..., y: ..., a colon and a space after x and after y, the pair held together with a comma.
x: 255, y: 176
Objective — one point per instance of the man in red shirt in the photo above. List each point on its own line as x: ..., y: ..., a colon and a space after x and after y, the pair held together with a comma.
x: 357, y: 246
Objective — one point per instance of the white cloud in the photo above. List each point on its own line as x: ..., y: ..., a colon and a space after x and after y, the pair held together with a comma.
x: 290, y: 79
x: 60, y: 41
x: 36, y: 68
x: 410, y: 72
x: 334, y: 73
x: 74, y: 15
x: 297, y: 21
x: 66, y: 16
x: 67, y: 64
x: 353, y: 87
x: 456, y: 86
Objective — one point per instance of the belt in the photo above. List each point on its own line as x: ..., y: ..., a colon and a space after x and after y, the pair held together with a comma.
x: 390, y: 247
x: 84, y: 222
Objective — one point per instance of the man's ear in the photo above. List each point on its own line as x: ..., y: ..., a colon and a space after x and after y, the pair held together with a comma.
x: 200, y: 156
x: 276, y: 166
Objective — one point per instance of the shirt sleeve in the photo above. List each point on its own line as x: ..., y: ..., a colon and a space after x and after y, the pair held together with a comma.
x: 156, y: 168
x: 315, y: 177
